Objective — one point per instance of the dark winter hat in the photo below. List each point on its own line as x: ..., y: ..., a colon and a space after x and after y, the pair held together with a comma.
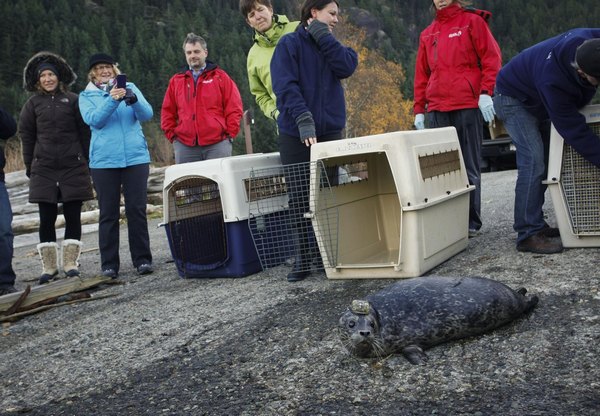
x: 31, y: 72
x: 101, y: 58
x: 588, y: 57
x: 47, y: 66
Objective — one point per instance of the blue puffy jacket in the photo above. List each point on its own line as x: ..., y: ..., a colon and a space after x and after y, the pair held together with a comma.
x: 117, y: 137
x: 543, y: 78
x: 306, y: 77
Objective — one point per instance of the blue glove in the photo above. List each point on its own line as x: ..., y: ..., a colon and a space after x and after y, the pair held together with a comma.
x: 486, y: 106
x: 420, y: 121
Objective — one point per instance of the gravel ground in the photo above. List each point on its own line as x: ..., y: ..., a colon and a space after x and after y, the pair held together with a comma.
x: 262, y: 346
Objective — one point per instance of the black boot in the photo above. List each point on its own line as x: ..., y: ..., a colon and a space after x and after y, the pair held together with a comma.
x: 300, y: 271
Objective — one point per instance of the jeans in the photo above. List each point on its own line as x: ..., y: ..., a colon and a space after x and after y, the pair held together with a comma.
x: 7, y: 274
x: 469, y: 127
x: 186, y: 154
x: 531, y: 137
x: 108, y: 182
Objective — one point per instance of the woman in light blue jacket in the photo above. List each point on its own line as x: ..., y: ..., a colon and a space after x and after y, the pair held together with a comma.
x: 118, y: 157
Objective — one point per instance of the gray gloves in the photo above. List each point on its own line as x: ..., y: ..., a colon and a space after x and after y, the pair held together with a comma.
x: 306, y: 126
x: 317, y: 29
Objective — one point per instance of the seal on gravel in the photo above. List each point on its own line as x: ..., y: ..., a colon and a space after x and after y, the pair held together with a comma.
x: 415, y: 314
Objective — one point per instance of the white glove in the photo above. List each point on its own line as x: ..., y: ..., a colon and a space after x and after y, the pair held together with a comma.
x: 486, y: 106
x: 420, y: 121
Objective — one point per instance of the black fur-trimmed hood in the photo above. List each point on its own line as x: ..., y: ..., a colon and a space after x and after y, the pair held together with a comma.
x: 65, y: 73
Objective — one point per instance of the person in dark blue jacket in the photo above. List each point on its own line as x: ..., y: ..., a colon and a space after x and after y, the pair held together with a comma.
x: 547, y: 83
x: 306, y: 72
x: 8, y: 127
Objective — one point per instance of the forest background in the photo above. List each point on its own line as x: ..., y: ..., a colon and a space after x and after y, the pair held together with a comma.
x: 145, y: 37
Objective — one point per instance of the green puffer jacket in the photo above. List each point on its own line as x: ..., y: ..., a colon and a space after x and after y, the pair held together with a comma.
x: 259, y: 61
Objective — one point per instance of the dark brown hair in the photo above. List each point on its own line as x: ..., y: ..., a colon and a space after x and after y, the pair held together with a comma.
x: 308, y: 5
x: 246, y: 6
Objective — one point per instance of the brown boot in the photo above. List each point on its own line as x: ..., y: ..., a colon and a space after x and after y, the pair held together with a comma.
x: 538, y: 243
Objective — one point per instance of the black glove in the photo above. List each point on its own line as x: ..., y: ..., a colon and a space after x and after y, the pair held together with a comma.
x: 306, y: 126
x: 130, y: 97
x: 318, y: 29
x: 28, y: 172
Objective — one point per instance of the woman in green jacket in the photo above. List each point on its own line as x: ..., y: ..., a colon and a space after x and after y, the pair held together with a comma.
x: 268, y: 29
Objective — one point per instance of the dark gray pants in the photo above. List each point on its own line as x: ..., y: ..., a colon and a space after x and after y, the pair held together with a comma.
x: 469, y: 126
x: 108, y: 183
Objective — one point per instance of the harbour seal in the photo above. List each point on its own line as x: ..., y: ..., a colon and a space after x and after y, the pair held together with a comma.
x: 415, y: 314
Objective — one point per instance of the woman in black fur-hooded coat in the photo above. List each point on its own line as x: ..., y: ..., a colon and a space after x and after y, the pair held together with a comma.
x: 55, y: 144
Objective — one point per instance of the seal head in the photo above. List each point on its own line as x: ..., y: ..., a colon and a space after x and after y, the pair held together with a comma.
x: 359, y: 330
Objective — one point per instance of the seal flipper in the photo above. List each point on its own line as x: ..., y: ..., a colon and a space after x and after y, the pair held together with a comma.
x: 414, y: 354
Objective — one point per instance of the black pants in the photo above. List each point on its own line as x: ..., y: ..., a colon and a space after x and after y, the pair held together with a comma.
x: 108, y: 183
x: 469, y: 127
x: 49, y: 212
x: 295, y: 157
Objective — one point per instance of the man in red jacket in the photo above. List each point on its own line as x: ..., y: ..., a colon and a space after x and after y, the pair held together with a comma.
x: 202, y: 107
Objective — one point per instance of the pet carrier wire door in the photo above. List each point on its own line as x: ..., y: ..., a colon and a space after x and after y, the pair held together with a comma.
x: 281, y: 227
x: 574, y: 185
x: 401, y: 199
x: 205, y: 209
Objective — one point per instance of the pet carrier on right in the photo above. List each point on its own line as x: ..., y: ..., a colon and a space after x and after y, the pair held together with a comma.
x: 574, y: 185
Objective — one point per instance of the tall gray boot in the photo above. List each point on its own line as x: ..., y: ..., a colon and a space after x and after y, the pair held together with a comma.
x: 49, y: 255
x: 71, y: 250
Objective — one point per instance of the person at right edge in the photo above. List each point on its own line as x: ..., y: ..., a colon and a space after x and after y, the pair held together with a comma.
x: 456, y: 67
x: 547, y: 83
x: 306, y: 71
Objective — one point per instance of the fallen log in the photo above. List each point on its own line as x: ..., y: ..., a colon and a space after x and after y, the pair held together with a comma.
x: 13, y: 317
x: 24, y: 224
x: 51, y: 290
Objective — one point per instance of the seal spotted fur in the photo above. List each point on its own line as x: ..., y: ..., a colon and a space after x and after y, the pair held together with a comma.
x: 415, y: 314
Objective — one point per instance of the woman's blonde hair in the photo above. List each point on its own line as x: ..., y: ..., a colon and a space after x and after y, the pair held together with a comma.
x: 91, y: 76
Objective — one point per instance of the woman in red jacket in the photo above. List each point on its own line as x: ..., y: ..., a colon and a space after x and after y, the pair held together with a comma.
x: 457, y: 63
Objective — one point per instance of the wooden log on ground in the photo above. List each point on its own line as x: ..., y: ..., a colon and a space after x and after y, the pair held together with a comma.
x: 18, y: 315
x: 51, y: 290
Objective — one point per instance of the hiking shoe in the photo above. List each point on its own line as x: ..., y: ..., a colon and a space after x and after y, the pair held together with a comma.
x: 297, y: 276
x: 538, y: 243
x: 474, y: 233
x: 5, y: 290
x: 46, y: 277
x: 112, y: 273
x: 145, y: 268
x: 549, y: 232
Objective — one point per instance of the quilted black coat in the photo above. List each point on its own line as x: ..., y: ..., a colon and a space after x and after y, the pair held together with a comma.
x: 55, y: 144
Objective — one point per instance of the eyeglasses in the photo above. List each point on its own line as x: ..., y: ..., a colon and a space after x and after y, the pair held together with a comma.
x: 102, y: 67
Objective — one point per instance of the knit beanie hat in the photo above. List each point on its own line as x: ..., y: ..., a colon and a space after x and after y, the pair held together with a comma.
x: 46, y: 66
x: 588, y: 57
x: 100, y: 58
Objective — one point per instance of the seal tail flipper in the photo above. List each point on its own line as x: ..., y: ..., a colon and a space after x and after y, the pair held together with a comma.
x: 531, y: 303
x: 522, y: 291
x: 414, y: 354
